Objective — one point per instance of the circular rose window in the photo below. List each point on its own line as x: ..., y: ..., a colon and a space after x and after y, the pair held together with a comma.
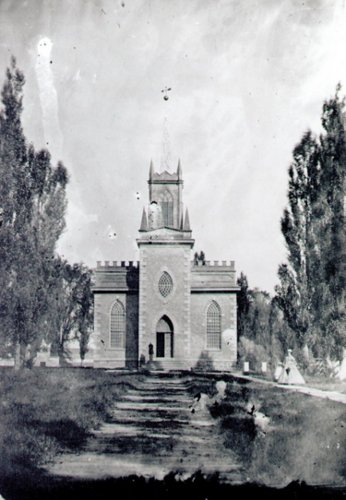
x: 165, y: 284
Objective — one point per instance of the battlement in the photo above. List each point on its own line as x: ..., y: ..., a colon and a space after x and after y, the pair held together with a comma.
x: 115, y: 264
x: 229, y: 264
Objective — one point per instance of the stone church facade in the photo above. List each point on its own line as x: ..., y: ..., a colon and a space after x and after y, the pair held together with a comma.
x: 169, y: 310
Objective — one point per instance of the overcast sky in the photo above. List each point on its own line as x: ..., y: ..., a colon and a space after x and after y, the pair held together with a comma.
x: 247, y: 77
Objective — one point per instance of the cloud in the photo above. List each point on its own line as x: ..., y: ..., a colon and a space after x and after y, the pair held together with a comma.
x: 48, y: 98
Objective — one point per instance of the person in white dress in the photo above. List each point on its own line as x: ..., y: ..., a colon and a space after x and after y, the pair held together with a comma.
x: 290, y: 373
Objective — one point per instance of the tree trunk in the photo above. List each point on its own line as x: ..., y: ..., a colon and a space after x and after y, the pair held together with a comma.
x: 17, y: 357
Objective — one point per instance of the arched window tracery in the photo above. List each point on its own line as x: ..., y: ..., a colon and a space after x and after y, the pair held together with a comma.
x: 117, y: 326
x: 214, y: 326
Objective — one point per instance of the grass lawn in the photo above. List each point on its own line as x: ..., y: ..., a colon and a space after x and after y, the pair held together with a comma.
x: 303, y: 438
x: 326, y: 384
x: 45, y: 411
x: 281, y: 436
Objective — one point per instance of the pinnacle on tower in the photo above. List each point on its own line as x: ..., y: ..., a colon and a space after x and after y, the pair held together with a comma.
x: 151, y: 169
x: 182, y: 223
x: 144, y: 222
x: 179, y: 171
x: 186, y: 226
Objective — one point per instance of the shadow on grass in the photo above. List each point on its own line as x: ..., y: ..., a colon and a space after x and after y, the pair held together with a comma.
x: 197, y: 487
x: 142, y: 445
x: 66, y: 432
x: 45, y: 411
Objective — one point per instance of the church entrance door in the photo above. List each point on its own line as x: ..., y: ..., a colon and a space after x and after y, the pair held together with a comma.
x: 164, y: 338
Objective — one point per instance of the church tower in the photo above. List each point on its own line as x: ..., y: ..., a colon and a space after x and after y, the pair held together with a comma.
x: 165, y: 245
x: 172, y: 310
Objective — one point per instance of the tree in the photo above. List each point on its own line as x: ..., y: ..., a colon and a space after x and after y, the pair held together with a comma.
x: 253, y: 309
x: 32, y: 199
x: 312, y: 282
x: 71, y: 306
x: 281, y: 336
x: 263, y: 332
x: 243, y: 305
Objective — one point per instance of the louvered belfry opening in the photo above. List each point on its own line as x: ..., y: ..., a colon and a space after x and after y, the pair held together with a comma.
x: 167, y: 213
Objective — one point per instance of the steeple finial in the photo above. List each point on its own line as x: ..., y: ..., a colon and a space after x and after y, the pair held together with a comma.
x: 187, y: 221
x: 144, y: 222
x: 151, y: 170
x: 179, y: 171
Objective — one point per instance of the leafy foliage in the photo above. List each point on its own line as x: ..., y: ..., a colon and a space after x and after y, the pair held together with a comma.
x: 311, y: 293
x: 71, y: 305
x: 263, y: 334
x: 34, y: 282
x: 32, y: 196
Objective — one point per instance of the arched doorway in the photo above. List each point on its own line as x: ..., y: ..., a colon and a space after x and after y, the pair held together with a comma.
x: 164, y: 338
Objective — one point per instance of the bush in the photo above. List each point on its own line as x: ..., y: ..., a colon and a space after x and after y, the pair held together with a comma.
x: 254, y: 353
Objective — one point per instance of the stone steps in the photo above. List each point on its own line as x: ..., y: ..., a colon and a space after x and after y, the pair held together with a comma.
x: 178, y: 399
x: 152, y: 432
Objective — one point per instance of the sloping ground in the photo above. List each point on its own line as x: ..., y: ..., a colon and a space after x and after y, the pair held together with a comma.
x: 164, y: 426
x: 338, y: 395
x: 259, y: 433
x: 154, y: 431
x: 282, y: 435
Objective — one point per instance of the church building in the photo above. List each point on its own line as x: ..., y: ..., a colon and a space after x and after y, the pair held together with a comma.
x: 173, y: 309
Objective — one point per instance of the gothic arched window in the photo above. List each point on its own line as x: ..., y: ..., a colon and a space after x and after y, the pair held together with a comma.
x: 214, y: 326
x: 117, y: 326
x: 166, y: 204
x: 165, y: 284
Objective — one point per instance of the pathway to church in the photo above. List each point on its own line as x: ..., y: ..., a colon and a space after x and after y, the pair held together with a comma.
x: 153, y: 431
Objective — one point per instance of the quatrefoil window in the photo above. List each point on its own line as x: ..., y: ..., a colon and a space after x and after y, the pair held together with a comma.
x: 165, y: 284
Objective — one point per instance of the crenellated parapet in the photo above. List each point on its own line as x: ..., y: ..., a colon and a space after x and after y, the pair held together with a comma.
x: 107, y: 264
x: 213, y: 275
x: 116, y: 276
x: 214, y: 263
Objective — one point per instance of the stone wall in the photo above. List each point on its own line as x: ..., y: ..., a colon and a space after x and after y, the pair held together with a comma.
x: 194, y: 287
x: 213, y: 274
x: 174, y: 259
x: 226, y: 357
x: 108, y: 357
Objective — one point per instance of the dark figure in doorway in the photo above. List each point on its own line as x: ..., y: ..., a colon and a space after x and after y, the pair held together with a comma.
x: 151, y: 352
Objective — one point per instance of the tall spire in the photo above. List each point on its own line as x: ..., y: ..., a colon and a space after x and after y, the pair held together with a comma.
x: 166, y: 148
x: 187, y: 221
x: 151, y: 170
x: 144, y: 222
x: 179, y: 171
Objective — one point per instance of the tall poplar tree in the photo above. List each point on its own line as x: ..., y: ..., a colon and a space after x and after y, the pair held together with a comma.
x: 243, y: 305
x: 32, y: 200
x: 312, y: 283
